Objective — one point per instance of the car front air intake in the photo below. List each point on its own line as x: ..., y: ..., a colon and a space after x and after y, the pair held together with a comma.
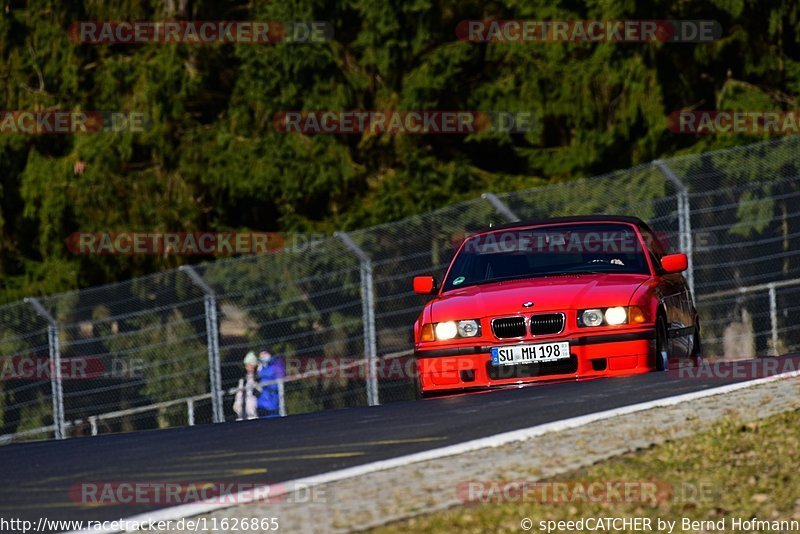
x: 547, y: 323
x: 508, y: 327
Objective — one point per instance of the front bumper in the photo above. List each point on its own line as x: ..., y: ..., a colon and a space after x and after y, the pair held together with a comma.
x: 591, y: 355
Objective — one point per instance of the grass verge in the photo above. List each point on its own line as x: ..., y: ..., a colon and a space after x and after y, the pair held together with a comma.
x: 732, y: 471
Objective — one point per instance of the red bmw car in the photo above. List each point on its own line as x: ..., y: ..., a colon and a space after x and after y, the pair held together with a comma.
x: 564, y: 298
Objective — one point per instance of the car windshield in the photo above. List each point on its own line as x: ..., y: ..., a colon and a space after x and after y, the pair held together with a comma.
x: 547, y: 251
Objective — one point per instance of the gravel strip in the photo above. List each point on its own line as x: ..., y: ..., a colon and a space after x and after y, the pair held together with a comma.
x: 385, y: 496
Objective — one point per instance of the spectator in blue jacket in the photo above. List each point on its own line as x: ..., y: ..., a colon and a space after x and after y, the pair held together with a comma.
x: 269, y: 369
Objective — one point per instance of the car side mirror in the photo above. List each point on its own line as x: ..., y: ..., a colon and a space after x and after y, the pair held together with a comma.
x: 674, y: 263
x: 424, y: 285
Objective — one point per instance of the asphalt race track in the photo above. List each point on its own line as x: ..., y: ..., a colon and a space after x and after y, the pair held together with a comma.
x: 36, y: 477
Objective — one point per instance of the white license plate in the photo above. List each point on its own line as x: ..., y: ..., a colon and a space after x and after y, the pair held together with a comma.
x: 541, y: 352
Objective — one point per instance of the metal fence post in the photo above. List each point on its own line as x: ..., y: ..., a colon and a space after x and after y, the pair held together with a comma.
x: 500, y: 206
x: 55, y: 366
x: 368, y: 315
x: 773, y: 317
x: 212, y: 336
x: 281, y: 399
x: 684, y: 219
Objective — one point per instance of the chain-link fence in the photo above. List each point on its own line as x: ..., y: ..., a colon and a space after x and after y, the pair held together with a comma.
x: 167, y: 349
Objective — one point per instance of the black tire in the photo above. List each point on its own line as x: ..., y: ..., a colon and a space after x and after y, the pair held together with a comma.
x: 662, y: 347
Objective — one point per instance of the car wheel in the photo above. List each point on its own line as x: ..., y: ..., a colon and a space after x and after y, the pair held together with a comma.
x: 662, y: 351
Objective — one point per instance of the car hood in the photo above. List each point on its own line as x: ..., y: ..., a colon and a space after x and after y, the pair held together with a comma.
x: 553, y: 293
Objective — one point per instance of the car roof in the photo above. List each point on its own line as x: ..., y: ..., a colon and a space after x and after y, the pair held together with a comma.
x: 572, y: 219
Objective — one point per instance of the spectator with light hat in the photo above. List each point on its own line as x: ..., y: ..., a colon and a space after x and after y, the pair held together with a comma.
x: 245, y: 401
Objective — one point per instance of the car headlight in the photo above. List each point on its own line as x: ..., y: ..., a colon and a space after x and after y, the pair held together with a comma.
x: 446, y: 330
x: 468, y: 328
x: 450, y: 330
x: 593, y: 317
x: 616, y: 315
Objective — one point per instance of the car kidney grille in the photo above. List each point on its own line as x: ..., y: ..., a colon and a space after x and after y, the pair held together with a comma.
x: 547, y: 323
x: 506, y: 327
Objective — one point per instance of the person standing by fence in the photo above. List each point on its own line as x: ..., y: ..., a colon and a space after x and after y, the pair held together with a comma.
x: 270, y: 369
x: 245, y: 401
